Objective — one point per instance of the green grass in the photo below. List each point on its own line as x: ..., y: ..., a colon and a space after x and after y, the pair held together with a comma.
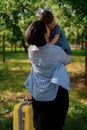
x: 13, y: 74
x: 77, y: 114
x: 78, y: 53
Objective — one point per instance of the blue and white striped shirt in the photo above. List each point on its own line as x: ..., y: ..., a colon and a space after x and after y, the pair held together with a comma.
x: 48, y: 72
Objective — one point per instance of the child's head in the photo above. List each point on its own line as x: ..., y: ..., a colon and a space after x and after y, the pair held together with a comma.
x: 48, y: 18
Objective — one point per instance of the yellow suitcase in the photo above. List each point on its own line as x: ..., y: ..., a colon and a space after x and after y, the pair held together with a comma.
x: 23, y: 116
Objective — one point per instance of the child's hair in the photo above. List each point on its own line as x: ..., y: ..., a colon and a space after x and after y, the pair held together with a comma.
x: 47, y: 17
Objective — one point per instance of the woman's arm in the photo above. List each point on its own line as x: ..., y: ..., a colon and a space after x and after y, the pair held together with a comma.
x: 62, y: 56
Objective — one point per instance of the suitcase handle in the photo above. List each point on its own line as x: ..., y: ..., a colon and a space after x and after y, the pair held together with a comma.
x: 20, y: 113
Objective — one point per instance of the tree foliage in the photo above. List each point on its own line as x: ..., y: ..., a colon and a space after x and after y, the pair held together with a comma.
x: 16, y: 15
x: 80, y: 8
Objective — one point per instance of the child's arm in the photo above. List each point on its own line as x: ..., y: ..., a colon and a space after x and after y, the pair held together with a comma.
x: 54, y: 40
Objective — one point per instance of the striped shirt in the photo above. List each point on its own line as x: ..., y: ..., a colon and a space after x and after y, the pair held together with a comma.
x: 48, y: 72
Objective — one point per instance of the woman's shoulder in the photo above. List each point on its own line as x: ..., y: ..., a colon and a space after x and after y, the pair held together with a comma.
x: 53, y: 47
x: 47, y: 47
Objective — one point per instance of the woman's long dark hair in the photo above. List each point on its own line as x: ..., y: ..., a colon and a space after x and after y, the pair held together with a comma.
x: 34, y: 35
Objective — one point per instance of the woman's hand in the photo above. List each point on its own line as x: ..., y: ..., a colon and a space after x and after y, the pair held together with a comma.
x: 28, y: 96
x: 47, y: 34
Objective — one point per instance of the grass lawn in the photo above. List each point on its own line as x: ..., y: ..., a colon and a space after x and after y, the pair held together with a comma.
x: 14, y: 72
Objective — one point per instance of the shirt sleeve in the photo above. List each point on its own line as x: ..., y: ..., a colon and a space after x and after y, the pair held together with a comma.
x: 57, y: 30
x: 62, y: 56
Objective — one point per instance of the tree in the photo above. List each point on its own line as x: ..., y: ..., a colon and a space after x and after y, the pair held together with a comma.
x: 14, y: 14
x: 80, y: 9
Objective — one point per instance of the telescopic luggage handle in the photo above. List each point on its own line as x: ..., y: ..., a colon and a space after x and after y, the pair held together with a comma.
x: 21, y: 114
x: 27, y: 101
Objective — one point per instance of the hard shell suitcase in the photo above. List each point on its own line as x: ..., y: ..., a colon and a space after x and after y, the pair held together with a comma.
x: 23, y: 116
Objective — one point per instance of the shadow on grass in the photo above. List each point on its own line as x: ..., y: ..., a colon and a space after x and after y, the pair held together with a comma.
x: 77, y: 116
x: 13, y: 75
x: 12, y: 80
x: 6, y: 123
x: 78, y: 85
x: 77, y: 80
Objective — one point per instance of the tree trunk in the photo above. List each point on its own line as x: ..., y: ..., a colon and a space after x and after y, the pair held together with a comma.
x: 24, y: 45
x: 11, y: 47
x: 82, y: 45
x: 15, y: 47
x: 20, y: 47
x: 86, y: 62
x: 3, y: 47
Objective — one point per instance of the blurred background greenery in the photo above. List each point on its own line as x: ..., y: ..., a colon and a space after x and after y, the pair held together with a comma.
x: 15, y: 17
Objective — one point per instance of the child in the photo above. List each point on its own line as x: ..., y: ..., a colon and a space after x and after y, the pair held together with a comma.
x: 56, y: 35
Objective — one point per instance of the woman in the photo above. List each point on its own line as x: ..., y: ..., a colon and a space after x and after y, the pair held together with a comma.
x: 48, y: 82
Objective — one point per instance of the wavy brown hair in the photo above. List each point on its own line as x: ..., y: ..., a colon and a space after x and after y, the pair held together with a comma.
x: 47, y: 17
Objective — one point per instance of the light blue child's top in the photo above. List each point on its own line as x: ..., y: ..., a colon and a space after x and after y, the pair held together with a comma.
x: 62, y: 41
x: 48, y: 72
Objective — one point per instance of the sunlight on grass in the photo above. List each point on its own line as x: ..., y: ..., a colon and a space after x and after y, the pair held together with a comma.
x: 13, y: 74
x: 17, y: 61
x: 76, y: 67
x: 83, y: 101
x: 11, y: 95
x: 78, y: 59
